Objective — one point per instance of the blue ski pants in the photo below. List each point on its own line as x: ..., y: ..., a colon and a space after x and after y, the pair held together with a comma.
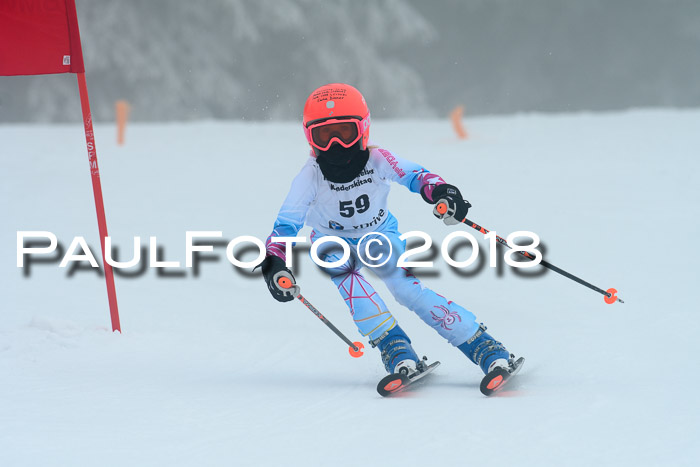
x: 370, y: 313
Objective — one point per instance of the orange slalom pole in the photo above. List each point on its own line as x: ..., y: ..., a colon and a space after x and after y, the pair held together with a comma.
x: 99, y: 204
x: 456, y: 117
x: 122, y: 110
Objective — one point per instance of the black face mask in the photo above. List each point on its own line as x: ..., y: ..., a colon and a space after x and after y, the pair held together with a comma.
x: 342, y: 165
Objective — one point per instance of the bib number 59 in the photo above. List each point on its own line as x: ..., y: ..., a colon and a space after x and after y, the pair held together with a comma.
x: 348, y: 208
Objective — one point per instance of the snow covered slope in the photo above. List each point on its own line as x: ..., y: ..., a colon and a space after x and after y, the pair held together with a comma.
x: 211, y: 371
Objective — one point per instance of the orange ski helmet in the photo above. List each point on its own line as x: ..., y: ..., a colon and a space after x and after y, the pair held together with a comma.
x: 336, y: 113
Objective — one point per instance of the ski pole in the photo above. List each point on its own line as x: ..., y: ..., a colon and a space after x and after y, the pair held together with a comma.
x: 609, y: 295
x: 355, y: 347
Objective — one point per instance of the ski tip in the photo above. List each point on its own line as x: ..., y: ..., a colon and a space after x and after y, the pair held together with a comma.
x: 497, y: 379
x: 391, y: 384
x: 494, y: 381
x: 397, y: 382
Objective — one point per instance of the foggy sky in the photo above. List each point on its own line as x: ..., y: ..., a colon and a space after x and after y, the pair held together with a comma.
x: 259, y: 60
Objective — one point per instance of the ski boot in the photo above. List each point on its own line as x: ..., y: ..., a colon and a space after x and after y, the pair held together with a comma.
x: 397, y: 354
x: 401, y: 361
x: 492, y: 357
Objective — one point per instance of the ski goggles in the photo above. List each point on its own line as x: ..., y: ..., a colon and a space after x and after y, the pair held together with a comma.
x: 344, y: 131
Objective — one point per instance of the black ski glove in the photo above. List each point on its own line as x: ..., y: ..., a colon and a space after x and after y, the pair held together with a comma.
x: 457, y: 207
x: 273, y: 269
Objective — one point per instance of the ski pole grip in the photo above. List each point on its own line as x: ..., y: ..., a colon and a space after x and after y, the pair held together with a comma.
x: 284, y: 282
x: 441, y: 207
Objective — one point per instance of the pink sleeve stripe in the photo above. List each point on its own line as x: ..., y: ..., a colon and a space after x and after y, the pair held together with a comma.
x: 428, y: 182
x: 275, y: 249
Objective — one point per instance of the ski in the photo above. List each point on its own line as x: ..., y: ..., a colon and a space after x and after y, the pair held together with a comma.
x: 397, y: 382
x: 497, y: 379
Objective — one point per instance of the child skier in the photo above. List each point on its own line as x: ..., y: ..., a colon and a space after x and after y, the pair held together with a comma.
x: 342, y: 191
